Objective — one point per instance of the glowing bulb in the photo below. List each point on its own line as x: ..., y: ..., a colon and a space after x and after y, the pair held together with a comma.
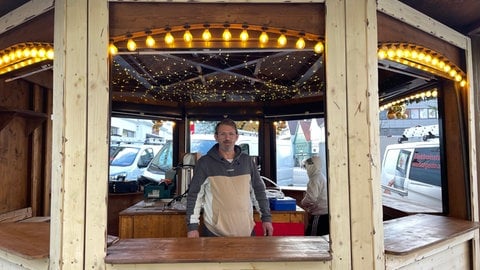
x: 169, y: 38
x: 187, y: 36
x: 150, y: 41
x: 300, y: 43
x: 112, y: 49
x: 6, y: 58
x: 131, y: 45
x: 263, y: 37
x: 282, y: 40
x: 382, y: 54
x: 244, y: 35
x: 50, y: 53
x: 26, y: 52
x: 414, y: 54
x: 399, y: 52
x: 453, y: 73
x: 391, y: 53
x: 42, y: 52
x: 428, y: 58
x: 458, y: 78
x: 434, y: 94
x: 19, y: 53
x: 227, y: 36
x: 463, y: 83
x: 206, y: 35
x: 318, y: 48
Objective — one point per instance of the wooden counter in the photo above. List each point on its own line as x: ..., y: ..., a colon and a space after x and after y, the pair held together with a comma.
x: 411, y: 233
x: 28, y: 240
x: 156, y: 221
x: 218, y: 249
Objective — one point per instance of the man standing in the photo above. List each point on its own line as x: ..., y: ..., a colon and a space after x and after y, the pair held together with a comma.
x: 223, y: 183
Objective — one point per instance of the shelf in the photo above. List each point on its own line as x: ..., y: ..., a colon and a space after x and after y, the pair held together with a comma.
x: 34, y: 119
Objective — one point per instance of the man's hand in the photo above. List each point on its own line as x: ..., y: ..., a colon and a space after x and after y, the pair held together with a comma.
x: 267, y: 228
x: 193, y: 234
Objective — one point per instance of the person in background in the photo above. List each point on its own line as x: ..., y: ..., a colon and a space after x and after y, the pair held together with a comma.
x: 223, y: 184
x: 315, y: 201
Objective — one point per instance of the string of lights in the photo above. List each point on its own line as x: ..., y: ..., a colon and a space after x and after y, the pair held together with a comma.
x: 216, y: 35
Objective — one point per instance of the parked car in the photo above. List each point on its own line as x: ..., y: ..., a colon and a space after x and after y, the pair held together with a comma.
x: 128, y: 161
x: 412, y: 171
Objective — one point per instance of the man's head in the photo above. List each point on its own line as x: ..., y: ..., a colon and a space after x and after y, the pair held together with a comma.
x: 226, y: 134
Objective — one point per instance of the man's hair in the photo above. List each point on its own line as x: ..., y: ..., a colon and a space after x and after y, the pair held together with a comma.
x: 226, y: 122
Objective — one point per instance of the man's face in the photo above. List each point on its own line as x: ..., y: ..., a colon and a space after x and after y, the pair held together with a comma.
x: 226, y: 137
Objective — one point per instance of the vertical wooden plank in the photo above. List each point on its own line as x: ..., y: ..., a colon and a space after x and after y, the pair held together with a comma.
x: 336, y: 122
x: 67, y: 243
x: 97, y: 134
x: 473, y: 76
x: 48, y: 154
x: 363, y: 135
x: 36, y: 155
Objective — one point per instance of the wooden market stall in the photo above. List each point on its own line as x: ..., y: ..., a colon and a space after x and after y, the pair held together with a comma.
x: 54, y: 130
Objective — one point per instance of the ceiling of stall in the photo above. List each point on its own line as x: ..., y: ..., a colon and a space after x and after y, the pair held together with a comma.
x: 250, y: 75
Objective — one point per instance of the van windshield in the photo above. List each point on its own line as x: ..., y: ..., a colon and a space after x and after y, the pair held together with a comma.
x: 201, y: 146
x: 125, y: 156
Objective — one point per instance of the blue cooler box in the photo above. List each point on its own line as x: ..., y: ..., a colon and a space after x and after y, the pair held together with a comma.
x: 285, y: 204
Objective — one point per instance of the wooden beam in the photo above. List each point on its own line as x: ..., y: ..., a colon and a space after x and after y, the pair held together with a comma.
x: 25, y: 13
x: 98, y: 134
x: 69, y: 149
x: 336, y: 108
x: 363, y: 134
x: 409, y: 15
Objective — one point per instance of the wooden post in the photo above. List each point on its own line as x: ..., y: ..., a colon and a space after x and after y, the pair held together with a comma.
x: 353, y: 126
x: 80, y: 137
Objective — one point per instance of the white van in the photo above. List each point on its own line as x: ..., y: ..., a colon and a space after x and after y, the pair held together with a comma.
x: 413, y: 171
x: 128, y: 161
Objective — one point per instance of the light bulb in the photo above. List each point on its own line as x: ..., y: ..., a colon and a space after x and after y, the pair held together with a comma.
x: 169, y: 38
x: 282, y: 40
x: 206, y: 35
x: 18, y: 52
x: 300, y: 43
x: 150, y: 41
x: 227, y: 36
x: 187, y: 36
x: 6, y: 58
x: 26, y: 52
x: 244, y: 35
x: 263, y: 37
x: 131, y: 45
x: 318, y: 48
x: 113, y: 49
x: 42, y: 52
x: 50, y: 53
x: 33, y: 52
